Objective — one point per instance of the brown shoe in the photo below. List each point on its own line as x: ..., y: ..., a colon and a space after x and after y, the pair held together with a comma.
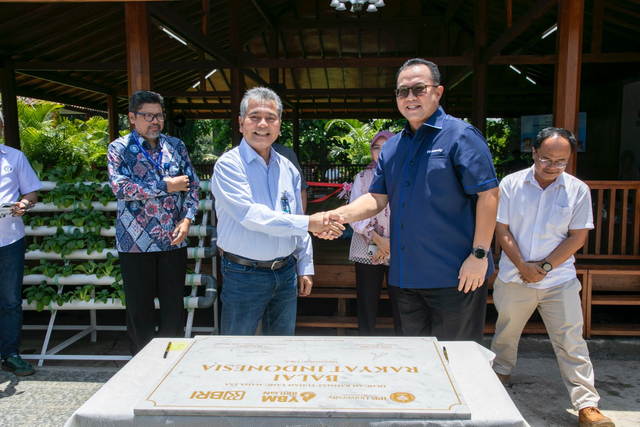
x: 504, y: 379
x: 592, y: 417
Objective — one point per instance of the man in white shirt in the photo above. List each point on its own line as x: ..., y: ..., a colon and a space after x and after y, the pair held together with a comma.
x: 544, y: 217
x: 18, y: 184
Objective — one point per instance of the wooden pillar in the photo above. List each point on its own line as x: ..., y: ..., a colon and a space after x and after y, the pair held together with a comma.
x: 138, y: 51
x: 274, y: 73
x: 566, y: 94
x: 237, y: 72
x: 114, y: 124
x: 443, y: 50
x: 205, y: 31
x: 480, y: 68
x: 9, y: 105
x: 168, y: 124
x: 596, y: 30
x: 296, y: 132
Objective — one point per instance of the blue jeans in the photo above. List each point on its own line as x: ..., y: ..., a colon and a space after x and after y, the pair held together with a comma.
x: 250, y: 294
x: 11, y: 277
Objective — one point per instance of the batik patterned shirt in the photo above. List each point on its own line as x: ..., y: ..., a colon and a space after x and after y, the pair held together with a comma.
x: 147, y: 213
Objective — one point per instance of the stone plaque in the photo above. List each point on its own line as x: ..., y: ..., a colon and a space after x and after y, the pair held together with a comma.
x: 308, y: 377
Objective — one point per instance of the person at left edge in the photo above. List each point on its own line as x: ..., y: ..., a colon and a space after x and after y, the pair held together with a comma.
x: 262, y: 231
x: 18, y: 183
x: 157, y: 191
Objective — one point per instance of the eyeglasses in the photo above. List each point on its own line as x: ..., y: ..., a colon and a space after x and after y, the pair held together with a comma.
x: 419, y: 89
x: 148, y: 117
x: 549, y: 164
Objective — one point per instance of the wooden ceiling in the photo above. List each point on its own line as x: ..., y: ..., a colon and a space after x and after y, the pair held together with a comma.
x: 328, y: 63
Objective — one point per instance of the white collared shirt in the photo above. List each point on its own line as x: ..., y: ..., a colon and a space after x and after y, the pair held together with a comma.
x: 16, y: 178
x: 540, y: 220
x: 251, y: 220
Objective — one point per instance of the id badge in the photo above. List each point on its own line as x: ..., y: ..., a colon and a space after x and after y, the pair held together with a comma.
x: 284, y: 203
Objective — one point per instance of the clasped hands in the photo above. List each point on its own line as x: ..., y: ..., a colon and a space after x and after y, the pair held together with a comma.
x: 326, y: 225
x: 532, y: 272
x: 177, y: 183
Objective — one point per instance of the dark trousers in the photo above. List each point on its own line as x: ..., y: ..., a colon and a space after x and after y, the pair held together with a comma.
x: 369, y: 280
x: 11, y: 275
x: 146, y: 276
x: 444, y: 313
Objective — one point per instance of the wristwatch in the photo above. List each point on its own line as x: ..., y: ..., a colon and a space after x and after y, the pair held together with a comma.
x: 546, y: 266
x: 480, y: 253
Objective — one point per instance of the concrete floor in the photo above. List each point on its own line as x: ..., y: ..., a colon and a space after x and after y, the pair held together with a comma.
x: 49, y: 397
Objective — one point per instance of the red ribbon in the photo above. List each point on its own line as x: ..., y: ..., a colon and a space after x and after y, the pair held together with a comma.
x: 325, y: 184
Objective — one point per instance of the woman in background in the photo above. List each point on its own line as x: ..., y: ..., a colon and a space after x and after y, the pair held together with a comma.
x: 370, y: 251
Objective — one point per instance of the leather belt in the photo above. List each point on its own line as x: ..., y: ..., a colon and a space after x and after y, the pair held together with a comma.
x: 276, y: 264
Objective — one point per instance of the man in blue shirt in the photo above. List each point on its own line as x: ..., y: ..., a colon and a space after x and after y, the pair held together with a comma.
x: 262, y: 231
x: 156, y: 186
x: 438, y: 177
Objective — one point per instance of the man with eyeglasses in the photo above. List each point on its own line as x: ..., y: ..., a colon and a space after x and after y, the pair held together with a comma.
x: 157, y: 191
x: 544, y: 217
x: 438, y: 178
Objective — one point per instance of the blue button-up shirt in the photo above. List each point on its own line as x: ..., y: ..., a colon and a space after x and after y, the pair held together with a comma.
x: 147, y: 213
x: 251, y: 220
x: 432, y: 179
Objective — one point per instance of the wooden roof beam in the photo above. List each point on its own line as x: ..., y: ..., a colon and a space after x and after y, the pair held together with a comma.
x: 356, y: 24
x: 451, y: 10
x: 68, y: 81
x: 443, y: 61
x: 169, y: 18
x: 529, y: 17
x: 264, y: 10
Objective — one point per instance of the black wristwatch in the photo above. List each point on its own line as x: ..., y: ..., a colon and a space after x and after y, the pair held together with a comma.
x: 546, y: 266
x: 480, y: 253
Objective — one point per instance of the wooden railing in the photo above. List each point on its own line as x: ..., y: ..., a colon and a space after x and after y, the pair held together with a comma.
x: 616, y: 215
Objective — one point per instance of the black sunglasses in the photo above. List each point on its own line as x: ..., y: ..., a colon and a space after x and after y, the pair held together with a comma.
x: 419, y: 89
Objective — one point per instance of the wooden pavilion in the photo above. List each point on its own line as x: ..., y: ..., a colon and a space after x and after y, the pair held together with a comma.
x: 202, y: 55
x: 498, y: 58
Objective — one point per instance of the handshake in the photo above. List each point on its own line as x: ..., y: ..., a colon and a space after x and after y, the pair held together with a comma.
x: 326, y: 225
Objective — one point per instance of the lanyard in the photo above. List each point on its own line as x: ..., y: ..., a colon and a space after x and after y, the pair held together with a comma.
x: 156, y: 164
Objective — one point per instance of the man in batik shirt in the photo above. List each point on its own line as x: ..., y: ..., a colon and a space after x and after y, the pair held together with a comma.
x: 157, y: 191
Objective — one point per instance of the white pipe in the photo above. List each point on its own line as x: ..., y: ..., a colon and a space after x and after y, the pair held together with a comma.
x: 193, y: 252
x: 205, y: 185
x: 92, y: 279
x: 97, y: 206
x: 194, y: 230
x: 112, y: 304
x: 74, y: 279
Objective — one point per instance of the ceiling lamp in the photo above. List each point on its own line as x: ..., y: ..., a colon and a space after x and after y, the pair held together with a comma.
x: 358, y: 5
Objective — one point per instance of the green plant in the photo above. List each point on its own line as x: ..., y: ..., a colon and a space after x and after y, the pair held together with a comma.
x: 87, y: 267
x: 81, y: 293
x: 118, y: 292
x: 43, y: 295
x: 49, y: 139
x: 63, y: 244
x: 102, y: 296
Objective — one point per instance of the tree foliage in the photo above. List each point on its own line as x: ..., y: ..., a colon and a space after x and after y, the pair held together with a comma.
x: 48, y: 139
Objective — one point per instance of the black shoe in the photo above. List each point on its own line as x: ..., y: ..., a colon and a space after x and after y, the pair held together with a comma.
x: 18, y: 366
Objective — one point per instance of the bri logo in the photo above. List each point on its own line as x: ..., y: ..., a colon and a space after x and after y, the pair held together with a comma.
x: 8, y: 169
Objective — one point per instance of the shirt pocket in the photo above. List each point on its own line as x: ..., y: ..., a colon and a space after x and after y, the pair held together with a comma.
x: 560, y: 217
